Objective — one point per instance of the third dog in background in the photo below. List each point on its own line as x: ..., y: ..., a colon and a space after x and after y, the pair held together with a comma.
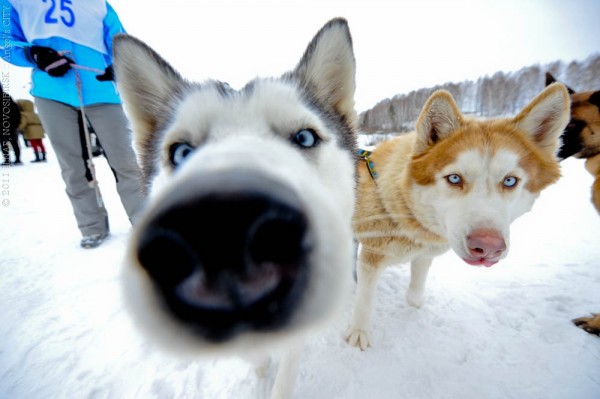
x: 581, y: 138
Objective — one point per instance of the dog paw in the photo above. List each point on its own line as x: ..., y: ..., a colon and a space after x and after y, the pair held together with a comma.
x: 589, y: 324
x: 359, y: 338
x: 414, y: 298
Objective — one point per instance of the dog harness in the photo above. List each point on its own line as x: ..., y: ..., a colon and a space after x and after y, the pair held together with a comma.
x: 364, y: 154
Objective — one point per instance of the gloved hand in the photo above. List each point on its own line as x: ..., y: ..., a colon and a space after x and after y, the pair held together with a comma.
x: 107, y: 76
x: 50, y: 61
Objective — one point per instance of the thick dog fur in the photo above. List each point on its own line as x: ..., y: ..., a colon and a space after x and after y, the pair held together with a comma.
x: 456, y: 183
x: 581, y: 139
x: 246, y: 245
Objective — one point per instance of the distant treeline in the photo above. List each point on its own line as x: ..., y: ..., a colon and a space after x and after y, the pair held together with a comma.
x: 490, y: 96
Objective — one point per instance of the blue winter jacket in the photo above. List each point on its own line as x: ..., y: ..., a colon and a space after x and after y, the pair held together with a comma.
x: 62, y: 89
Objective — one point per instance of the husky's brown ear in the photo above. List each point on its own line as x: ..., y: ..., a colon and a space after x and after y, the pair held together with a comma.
x: 546, y: 117
x: 439, y: 118
x: 147, y: 83
x: 327, y: 68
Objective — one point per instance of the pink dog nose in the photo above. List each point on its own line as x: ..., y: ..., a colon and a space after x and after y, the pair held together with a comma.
x: 486, y: 243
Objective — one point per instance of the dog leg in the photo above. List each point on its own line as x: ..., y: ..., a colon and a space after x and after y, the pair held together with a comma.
x: 368, y: 275
x: 283, y: 388
x: 419, y: 268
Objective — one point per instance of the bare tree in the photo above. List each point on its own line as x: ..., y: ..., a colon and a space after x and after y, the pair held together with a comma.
x: 501, y: 94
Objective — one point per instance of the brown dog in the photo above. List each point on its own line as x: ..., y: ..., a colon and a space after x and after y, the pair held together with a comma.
x: 456, y: 182
x: 581, y: 139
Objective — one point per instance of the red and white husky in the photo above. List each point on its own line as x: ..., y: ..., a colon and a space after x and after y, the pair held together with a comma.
x: 454, y: 183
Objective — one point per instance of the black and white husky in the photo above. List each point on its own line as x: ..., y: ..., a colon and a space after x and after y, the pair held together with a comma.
x: 246, y: 245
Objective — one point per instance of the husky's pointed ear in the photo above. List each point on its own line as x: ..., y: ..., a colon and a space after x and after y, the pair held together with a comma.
x: 327, y: 68
x: 546, y: 117
x: 146, y: 82
x: 438, y: 119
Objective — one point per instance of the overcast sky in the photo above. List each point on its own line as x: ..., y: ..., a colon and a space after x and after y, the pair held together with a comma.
x: 399, y: 45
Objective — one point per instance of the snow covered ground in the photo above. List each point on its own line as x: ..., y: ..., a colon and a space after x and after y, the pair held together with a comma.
x: 502, y: 332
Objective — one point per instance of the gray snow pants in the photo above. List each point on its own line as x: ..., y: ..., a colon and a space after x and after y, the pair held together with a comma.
x: 61, y: 122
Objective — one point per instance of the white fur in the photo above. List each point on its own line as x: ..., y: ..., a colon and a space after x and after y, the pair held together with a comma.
x: 455, y: 214
x: 327, y: 197
x: 252, y: 131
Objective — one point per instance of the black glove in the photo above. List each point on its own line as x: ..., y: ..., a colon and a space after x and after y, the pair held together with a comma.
x: 107, y: 76
x: 50, y: 61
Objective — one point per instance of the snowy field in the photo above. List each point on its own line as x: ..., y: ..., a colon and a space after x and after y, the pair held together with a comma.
x: 502, y: 332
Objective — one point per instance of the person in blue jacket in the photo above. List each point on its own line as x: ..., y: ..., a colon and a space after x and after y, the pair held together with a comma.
x: 55, y: 38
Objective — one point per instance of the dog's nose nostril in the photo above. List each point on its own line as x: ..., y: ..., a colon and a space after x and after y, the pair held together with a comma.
x: 485, y: 243
x: 477, y: 251
x: 276, y: 237
x: 166, y: 255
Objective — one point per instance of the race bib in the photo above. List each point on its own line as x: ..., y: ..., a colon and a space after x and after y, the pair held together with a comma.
x: 80, y: 21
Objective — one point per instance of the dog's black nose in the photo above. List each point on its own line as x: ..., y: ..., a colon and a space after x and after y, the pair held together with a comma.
x: 230, y: 255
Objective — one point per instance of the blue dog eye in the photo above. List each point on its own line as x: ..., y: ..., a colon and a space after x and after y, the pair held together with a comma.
x: 454, y: 179
x: 306, y: 138
x: 510, y: 182
x: 180, y: 151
